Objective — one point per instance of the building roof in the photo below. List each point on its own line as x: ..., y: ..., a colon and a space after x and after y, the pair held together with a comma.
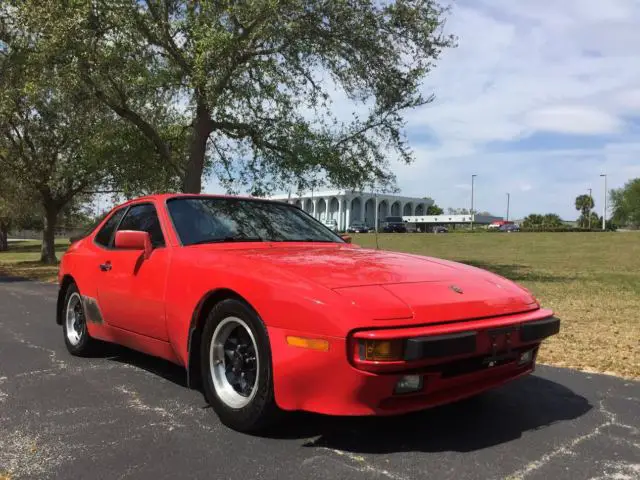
x: 350, y: 193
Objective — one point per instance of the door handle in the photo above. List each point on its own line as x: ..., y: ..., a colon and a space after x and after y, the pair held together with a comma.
x: 105, y: 267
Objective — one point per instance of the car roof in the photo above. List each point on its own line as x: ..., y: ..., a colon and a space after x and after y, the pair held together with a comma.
x: 162, y: 197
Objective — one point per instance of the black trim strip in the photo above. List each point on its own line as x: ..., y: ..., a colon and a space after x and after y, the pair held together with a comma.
x: 101, y: 226
x: 538, y: 330
x: 439, y: 346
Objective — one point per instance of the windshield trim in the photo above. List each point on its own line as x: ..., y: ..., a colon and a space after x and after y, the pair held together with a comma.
x: 338, y: 238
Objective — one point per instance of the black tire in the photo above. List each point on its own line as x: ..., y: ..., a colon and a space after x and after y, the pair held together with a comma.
x: 261, y: 412
x: 85, y: 345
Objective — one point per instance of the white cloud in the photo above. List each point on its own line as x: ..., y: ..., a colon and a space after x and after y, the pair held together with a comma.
x: 531, y: 67
x: 574, y: 120
x: 628, y: 100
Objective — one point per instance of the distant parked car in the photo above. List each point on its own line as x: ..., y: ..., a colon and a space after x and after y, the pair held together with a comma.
x: 331, y: 224
x: 358, y: 227
x: 394, y: 225
x: 498, y: 224
x: 510, y: 227
x: 440, y: 229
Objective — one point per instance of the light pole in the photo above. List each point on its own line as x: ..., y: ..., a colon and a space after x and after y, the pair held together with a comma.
x: 313, y: 205
x: 591, y: 200
x: 604, y: 207
x: 472, y: 180
x: 508, y: 198
x: 375, y: 213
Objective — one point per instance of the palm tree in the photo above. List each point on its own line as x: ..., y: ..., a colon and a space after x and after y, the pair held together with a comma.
x: 584, y: 204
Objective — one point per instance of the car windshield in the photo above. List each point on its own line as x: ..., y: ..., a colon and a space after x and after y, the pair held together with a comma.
x: 218, y: 220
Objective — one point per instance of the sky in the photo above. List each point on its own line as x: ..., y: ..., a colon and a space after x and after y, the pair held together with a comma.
x: 539, y: 98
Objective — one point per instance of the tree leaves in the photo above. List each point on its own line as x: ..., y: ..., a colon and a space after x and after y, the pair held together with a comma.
x: 625, y: 203
x: 248, y: 85
x: 584, y: 203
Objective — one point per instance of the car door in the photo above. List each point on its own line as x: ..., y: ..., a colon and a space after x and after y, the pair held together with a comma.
x: 91, y: 265
x: 131, y: 289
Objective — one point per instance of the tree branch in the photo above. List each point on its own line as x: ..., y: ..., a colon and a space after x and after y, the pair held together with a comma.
x: 125, y: 112
x: 168, y: 42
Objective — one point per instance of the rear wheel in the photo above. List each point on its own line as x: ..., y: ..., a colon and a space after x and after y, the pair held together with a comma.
x: 236, y: 366
x: 74, y: 325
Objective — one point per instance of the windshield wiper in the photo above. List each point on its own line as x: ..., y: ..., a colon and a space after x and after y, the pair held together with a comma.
x: 229, y: 239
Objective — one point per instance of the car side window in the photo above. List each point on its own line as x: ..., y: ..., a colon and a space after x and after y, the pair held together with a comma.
x: 143, y: 218
x: 104, y: 236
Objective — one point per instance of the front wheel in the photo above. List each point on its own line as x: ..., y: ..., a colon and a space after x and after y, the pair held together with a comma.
x: 74, y: 325
x: 236, y: 366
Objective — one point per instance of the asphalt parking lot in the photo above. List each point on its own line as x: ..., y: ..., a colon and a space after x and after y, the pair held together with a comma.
x: 126, y: 415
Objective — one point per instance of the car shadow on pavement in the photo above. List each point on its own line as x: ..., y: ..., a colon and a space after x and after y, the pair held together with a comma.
x: 158, y: 366
x: 493, y: 418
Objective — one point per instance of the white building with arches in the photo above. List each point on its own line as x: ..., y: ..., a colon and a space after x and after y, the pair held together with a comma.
x: 347, y: 206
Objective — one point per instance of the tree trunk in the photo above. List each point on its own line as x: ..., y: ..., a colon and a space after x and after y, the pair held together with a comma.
x: 4, y: 233
x: 192, y: 182
x: 48, y: 252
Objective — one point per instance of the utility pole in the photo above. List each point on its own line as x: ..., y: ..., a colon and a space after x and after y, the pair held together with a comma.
x: 508, y: 198
x: 591, y: 199
x: 604, y: 207
x: 472, y: 180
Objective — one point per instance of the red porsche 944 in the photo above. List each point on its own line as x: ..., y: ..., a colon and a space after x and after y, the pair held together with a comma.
x: 268, y: 310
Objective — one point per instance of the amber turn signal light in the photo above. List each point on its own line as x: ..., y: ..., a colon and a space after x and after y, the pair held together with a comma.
x: 381, y: 350
x: 310, y: 343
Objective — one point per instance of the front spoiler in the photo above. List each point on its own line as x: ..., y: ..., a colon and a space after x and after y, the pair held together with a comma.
x: 442, y: 346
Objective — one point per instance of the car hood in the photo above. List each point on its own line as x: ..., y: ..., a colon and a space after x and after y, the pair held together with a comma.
x: 391, y: 285
x: 339, y: 267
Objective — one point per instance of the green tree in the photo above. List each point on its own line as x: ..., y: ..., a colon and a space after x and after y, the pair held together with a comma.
x: 56, y: 139
x: 533, y: 221
x: 549, y: 221
x: 242, y: 89
x: 47, y: 143
x: 584, y: 204
x: 625, y: 204
x: 591, y: 220
x: 18, y: 208
x: 434, y: 210
x: 552, y: 220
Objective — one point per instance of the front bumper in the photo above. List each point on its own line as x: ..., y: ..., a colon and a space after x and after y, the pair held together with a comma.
x: 334, y: 383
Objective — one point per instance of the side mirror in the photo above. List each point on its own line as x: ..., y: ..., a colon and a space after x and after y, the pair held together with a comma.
x: 134, y: 240
x: 346, y: 238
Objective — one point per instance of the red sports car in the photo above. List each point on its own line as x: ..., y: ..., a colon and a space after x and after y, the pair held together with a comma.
x: 268, y: 311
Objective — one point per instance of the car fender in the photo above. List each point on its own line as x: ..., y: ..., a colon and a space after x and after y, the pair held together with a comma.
x: 76, y: 264
x: 281, y: 299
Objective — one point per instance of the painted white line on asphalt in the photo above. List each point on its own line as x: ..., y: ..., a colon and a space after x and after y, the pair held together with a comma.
x: 360, y: 464
x: 569, y: 447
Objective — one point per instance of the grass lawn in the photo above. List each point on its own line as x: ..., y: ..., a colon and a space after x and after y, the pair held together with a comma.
x: 23, y: 260
x: 591, y: 281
